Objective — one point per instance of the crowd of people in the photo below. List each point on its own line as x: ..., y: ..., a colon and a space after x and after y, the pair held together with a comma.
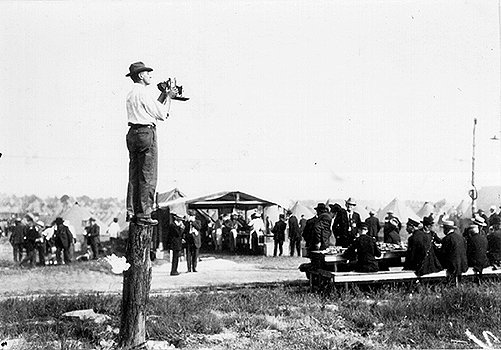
x: 476, y: 244
x: 34, y: 243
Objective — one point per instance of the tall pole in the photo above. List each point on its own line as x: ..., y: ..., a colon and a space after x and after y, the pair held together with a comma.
x: 499, y: 26
x: 473, y: 191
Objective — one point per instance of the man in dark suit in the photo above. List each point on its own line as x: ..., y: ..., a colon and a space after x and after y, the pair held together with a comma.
x: 476, y: 250
x: 279, y: 235
x: 294, y: 234
x: 373, y: 224
x: 365, y: 249
x: 62, y: 240
x: 175, y: 231
x: 320, y: 228
x: 93, y: 239
x: 421, y: 243
x: 493, y: 215
x: 346, y: 224
x: 453, y: 251
x: 494, y: 244
x: 193, y: 241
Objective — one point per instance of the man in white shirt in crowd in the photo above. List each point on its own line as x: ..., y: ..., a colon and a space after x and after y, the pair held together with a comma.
x: 113, y: 230
x: 143, y: 112
x: 257, y: 231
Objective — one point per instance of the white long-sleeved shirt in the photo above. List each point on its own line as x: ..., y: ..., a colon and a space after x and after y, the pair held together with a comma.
x: 142, y: 108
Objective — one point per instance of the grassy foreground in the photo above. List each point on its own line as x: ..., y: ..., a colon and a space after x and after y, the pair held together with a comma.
x: 278, y: 317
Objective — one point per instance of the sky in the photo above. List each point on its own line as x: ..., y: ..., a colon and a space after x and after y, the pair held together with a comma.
x: 288, y: 99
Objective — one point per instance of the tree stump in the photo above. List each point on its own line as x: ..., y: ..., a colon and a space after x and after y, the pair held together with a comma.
x: 136, y: 288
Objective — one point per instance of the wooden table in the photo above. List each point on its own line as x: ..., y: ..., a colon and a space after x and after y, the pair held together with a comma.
x: 326, y: 261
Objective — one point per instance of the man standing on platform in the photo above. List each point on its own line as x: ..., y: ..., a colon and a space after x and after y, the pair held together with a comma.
x: 143, y: 112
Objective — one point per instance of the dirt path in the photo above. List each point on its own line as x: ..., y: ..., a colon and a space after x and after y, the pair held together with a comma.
x: 211, y: 272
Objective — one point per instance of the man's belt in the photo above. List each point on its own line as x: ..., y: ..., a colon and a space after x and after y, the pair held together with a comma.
x: 137, y: 126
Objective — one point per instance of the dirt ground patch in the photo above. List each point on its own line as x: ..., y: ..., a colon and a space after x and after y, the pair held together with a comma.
x: 213, y: 271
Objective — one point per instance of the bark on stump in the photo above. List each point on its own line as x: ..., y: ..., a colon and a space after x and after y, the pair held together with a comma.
x: 136, y: 288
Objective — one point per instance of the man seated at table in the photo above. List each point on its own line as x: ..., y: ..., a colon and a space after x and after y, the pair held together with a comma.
x: 365, y: 249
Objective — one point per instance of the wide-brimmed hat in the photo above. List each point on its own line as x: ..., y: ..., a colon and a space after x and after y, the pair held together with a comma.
x: 448, y: 224
x: 59, y: 221
x: 321, y: 207
x: 137, y: 67
x: 411, y: 222
x: 92, y: 219
x: 478, y: 220
x: 350, y: 201
x: 427, y: 220
x: 40, y: 223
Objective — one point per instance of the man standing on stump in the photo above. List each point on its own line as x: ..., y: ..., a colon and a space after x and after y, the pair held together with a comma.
x: 143, y: 112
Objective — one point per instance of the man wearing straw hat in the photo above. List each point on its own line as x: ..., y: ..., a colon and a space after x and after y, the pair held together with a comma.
x: 453, y: 251
x: 476, y: 248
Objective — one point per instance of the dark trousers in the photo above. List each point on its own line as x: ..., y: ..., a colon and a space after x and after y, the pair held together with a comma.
x: 175, y: 261
x: 295, y: 244
x: 30, y: 256
x: 143, y: 171
x: 66, y: 255
x: 41, y: 253
x: 93, y: 242
x: 192, y: 258
x: 18, y: 251
x: 280, y: 245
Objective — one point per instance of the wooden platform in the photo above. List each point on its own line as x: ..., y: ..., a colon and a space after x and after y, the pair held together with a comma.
x: 320, y: 279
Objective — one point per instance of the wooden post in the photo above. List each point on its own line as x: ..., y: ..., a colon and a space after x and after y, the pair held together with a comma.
x: 136, y: 288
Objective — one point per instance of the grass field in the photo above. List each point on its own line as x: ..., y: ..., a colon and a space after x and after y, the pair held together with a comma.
x: 277, y: 317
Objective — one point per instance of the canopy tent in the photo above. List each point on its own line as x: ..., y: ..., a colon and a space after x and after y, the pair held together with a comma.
x: 219, y: 200
x: 175, y: 193
x: 298, y: 209
x: 400, y: 210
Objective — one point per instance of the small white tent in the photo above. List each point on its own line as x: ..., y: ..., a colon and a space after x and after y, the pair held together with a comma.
x: 298, y: 209
x: 400, y: 210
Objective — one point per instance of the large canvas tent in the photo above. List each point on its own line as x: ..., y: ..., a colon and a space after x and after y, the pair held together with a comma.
x: 427, y: 209
x: 298, y: 209
x: 487, y: 196
x: 78, y: 217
